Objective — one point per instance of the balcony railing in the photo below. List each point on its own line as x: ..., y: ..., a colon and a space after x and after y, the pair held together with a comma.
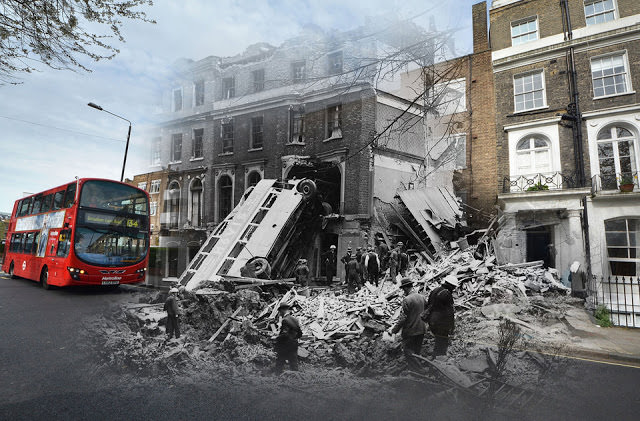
x: 620, y: 295
x: 538, y: 182
x: 626, y: 181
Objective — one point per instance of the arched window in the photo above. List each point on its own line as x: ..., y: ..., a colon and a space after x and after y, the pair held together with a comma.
x: 617, y: 156
x: 533, y: 155
x: 196, y: 202
x: 173, y: 203
x: 253, y: 178
x: 225, y: 196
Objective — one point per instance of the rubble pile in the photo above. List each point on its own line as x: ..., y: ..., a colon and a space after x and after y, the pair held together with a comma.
x: 234, y: 331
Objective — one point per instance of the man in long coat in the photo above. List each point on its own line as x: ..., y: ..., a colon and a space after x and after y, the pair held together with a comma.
x: 173, y: 313
x: 411, y: 324
x: 286, y: 345
x: 440, y: 314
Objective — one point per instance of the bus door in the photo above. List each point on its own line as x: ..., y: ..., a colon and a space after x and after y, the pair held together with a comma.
x: 62, y: 243
x: 51, y: 259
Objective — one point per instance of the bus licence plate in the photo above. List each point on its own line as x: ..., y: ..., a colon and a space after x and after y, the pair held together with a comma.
x: 110, y: 282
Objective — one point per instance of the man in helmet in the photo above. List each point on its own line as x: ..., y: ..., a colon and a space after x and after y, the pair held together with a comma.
x: 286, y: 345
x: 345, y: 260
x: 330, y: 263
x: 173, y: 314
x: 302, y: 273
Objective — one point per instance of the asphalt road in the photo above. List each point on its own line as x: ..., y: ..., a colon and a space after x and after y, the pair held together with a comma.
x: 46, y: 372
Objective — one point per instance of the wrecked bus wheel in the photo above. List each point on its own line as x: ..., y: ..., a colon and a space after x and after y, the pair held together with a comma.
x: 258, y: 267
x: 307, y: 188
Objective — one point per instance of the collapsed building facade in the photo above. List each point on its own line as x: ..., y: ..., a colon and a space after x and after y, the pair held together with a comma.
x: 306, y: 109
x: 567, y: 133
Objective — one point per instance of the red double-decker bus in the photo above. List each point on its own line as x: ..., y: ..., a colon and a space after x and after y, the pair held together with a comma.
x: 88, y: 232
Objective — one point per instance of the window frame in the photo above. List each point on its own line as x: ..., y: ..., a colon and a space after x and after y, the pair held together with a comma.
x: 257, y: 136
x: 523, y: 21
x: 299, y: 70
x: 227, y: 134
x: 174, y: 105
x: 627, y: 71
x: 615, y: 141
x: 586, y: 17
x: 198, y: 94
x: 333, y: 132
x: 174, y: 138
x: 197, y: 143
x: 336, y: 67
x: 142, y: 185
x: 258, y: 80
x: 544, y: 91
x: 532, y: 152
x: 296, y: 135
x: 628, y: 247
x: 228, y: 87
x: 156, y: 150
x: 154, y: 188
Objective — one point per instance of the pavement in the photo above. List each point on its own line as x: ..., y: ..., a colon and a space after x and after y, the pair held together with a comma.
x: 608, y: 344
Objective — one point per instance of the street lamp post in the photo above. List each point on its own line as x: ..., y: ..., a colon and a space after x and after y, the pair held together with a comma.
x: 124, y: 162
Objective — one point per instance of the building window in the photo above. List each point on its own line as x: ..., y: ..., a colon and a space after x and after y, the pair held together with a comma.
x: 599, y: 11
x: 155, y: 187
x: 196, y: 202
x: 524, y: 31
x: 533, y: 156
x: 256, y: 132
x: 334, y: 121
x: 198, y: 92
x: 529, y: 91
x: 258, y: 80
x: 177, y: 99
x: 298, y: 71
x: 617, y: 156
x: 253, y: 178
x: 623, y: 246
x: 153, y: 208
x: 335, y: 63
x: 609, y: 75
x: 196, y: 149
x: 156, y: 158
x: 297, y: 126
x: 173, y: 204
x: 142, y: 185
x: 176, y: 147
x: 228, y: 87
x: 225, y: 195
x: 227, y: 137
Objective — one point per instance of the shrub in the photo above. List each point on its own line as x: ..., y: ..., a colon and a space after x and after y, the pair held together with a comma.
x: 602, y: 316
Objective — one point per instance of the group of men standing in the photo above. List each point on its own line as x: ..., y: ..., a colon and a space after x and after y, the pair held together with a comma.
x: 371, y: 264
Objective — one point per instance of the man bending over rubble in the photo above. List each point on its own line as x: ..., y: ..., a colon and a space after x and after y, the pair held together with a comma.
x: 286, y: 346
x: 173, y: 313
x: 413, y: 328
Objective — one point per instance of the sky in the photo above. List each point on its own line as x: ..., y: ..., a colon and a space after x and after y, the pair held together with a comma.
x: 48, y: 134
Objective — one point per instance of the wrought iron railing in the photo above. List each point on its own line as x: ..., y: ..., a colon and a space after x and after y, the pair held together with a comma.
x: 625, y: 181
x: 540, y: 182
x: 620, y: 295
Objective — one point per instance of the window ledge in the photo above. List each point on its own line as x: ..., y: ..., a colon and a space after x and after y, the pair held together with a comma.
x: 199, y: 158
x: 225, y: 154
x: 175, y: 162
x: 332, y: 138
x: 614, y: 95
x: 530, y: 109
x: 254, y: 149
x: 295, y: 144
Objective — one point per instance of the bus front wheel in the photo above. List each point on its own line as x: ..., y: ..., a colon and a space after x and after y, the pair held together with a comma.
x: 44, y: 278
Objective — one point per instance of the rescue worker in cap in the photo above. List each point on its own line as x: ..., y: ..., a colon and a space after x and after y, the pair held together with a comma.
x: 440, y: 314
x: 372, y: 265
x: 353, y: 275
x: 301, y: 273
x: 345, y: 259
x: 330, y: 263
x: 173, y: 314
x: 411, y: 324
x: 394, y: 262
x: 403, y: 260
x: 286, y: 345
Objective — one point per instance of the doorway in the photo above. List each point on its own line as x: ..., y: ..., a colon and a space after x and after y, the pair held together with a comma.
x: 540, y: 245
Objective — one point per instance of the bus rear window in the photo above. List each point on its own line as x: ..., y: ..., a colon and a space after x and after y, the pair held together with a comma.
x: 99, y: 194
x: 70, y: 196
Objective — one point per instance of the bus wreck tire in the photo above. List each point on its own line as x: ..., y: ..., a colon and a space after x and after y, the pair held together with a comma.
x: 262, y: 268
x: 44, y: 278
x: 307, y: 188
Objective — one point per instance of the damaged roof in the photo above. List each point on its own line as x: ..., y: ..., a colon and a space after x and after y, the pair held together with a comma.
x: 433, y: 207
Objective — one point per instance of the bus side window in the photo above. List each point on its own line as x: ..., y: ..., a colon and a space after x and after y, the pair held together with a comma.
x: 29, y: 243
x: 24, y: 207
x: 58, y: 199
x: 46, y: 203
x: 37, y: 205
x: 16, y: 243
x: 64, y: 241
x: 70, y: 196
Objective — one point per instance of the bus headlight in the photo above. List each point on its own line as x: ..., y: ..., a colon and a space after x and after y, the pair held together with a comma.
x: 75, y: 273
x: 141, y: 272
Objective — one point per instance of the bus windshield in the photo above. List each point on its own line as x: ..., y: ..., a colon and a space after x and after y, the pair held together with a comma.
x: 105, y: 246
x: 101, y: 194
